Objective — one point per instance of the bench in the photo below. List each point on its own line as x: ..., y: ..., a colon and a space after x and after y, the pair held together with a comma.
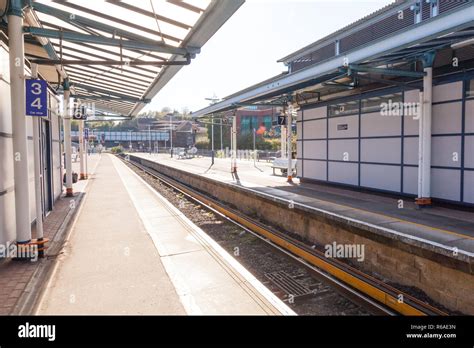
x: 282, y: 164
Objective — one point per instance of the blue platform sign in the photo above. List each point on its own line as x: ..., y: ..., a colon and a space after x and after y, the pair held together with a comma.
x: 86, y: 133
x: 36, y: 98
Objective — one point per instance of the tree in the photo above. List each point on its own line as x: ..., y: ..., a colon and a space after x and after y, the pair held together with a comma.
x: 166, y: 110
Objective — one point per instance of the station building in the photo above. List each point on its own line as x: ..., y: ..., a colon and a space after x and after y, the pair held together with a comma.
x: 384, y: 104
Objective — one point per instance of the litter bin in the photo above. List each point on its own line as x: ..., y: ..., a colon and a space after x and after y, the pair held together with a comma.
x: 74, y: 178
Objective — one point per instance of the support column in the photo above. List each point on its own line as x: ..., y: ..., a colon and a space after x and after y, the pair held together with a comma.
x: 67, y: 139
x: 234, y: 145
x: 83, y: 174
x: 86, y: 150
x: 20, y: 145
x: 38, y: 170
x: 283, y: 139
x: 289, y: 147
x: 424, y: 145
x: 212, y: 139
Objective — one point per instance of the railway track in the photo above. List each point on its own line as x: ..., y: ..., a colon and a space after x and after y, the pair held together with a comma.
x: 363, y: 289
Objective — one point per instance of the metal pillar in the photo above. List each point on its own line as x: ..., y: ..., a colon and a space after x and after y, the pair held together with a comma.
x: 222, y: 144
x: 424, y: 144
x: 38, y: 169
x: 234, y: 145
x: 254, y: 148
x: 289, y: 147
x: 149, y: 139
x: 20, y: 145
x: 81, y: 150
x: 283, y: 139
x: 171, y: 137
x: 86, y: 149
x: 67, y: 139
x: 212, y: 139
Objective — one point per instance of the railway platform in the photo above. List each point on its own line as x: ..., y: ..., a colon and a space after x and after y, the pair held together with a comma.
x: 442, y: 226
x: 129, y: 251
x: 430, y: 249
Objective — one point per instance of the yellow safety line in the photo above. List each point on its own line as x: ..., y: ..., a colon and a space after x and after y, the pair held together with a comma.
x: 401, y: 220
x: 394, y: 218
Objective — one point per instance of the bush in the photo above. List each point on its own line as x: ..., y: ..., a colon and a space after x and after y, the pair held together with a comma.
x: 117, y: 150
x: 202, y: 145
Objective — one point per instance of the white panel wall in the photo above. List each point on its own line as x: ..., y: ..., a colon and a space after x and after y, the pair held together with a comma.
x: 315, y: 113
x: 469, y: 186
x: 7, y: 195
x: 315, y: 170
x: 380, y: 177
x: 374, y: 125
x: 447, y: 118
x: 381, y: 150
x: 447, y: 91
x: 381, y: 157
x: 315, y: 149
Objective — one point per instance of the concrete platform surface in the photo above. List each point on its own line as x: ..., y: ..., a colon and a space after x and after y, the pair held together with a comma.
x: 131, y: 252
x: 444, y: 228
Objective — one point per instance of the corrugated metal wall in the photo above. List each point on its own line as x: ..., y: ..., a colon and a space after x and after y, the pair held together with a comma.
x: 380, y: 29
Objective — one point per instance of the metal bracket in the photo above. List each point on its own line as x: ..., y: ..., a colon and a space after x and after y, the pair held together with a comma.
x: 383, y: 71
x: 428, y: 59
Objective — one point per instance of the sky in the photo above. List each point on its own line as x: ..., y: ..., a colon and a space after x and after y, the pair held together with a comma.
x: 246, y: 48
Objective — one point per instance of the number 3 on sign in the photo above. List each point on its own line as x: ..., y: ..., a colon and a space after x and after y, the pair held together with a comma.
x: 36, y: 90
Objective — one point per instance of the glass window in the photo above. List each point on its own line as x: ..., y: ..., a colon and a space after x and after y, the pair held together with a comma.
x: 267, y: 121
x: 245, y: 124
x: 375, y: 104
x: 348, y: 108
x: 470, y: 89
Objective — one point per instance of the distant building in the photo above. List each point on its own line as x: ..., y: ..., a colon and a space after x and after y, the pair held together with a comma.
x: 253, y: 118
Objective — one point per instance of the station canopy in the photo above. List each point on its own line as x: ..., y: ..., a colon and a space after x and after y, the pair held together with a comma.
x: 119, y: 54
x: 393, y: 59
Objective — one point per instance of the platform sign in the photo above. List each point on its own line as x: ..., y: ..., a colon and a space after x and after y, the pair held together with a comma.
x: 36, y: 98
x: 281, y: 120
x: 80, y: 113
x: 86, y: 133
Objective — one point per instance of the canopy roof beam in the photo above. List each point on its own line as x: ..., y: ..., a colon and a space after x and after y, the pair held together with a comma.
x: 93, y: 97
x: 102, y: 40
x: 42, y: 61
x: 150, y: 14
x: 123, y: 97
x: 241, y: 105
x: 117, y: 20
x: 77, y: 19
